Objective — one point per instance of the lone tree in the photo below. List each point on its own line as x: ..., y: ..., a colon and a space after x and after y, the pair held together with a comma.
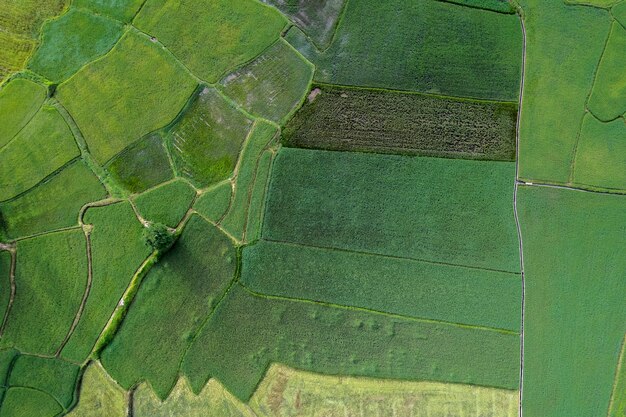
x: 159, y: 237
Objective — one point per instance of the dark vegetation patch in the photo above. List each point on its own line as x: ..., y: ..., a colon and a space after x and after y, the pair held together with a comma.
x: 317, y: 18
x: 247, y: 333
x: 354, y: 119
x: 143, y: 165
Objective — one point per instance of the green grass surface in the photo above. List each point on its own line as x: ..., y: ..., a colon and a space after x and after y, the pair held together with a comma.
x: 439, y: 53
x: 7, y: 357
x: 142, y: 166
x: 99, y: 395
x: 418, y: 289
x: 123, y: 10
x: 71, y: 41
x: 42, y: 147
x: 50, y: 279
x: 288, y: 392
x: 5, y: 283
x: 213, y: 401
x: 358, y: 119
x: 176, y: 295
x: 205, y: 143
x: 225, y: 34
x: 20, y: 22
x: 272, y: 85
x: 593, y: 3
x: 115, y: 107
x: 117, y: 250
x: 574, y: 320
x: 51, y: 205
x: 166, y: 204
x: 317, y: 18
x: 619, y: 12
x: 558, y: 79
x: 617, y: 406
x: 52, y: 376
x: 235, y: 220
x: 246, y: 333
x: 607, y: 100
x: 461, y: 211
x: 601, y: 154
x: 26, y: 402
x: 19, y: 101
x: 214, y: 202
x: 256, y: 207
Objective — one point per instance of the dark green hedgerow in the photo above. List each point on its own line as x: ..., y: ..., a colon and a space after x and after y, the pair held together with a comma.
x: 356, y: 119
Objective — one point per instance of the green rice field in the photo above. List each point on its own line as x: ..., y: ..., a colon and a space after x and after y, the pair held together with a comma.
x: 312, y: 208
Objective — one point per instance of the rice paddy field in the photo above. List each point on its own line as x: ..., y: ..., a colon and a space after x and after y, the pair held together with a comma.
x: 312, y: 208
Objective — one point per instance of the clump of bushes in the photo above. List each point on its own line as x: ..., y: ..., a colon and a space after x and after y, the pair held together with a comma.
x: 159, y: 237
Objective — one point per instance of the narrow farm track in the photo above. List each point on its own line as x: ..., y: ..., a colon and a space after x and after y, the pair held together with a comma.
x: 12, y: 250
x: 516, y: 213
x: 369, y: 310
x: 83, y: 302
x: 607, y: 191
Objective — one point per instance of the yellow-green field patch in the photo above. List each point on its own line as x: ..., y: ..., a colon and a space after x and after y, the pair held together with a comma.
x: 213, y: 401
x: 19, y: 101
x: 225, y: 33
x: 601, y: 154
x: 286, y: 392
x: 608, y: 96
x: 115, y: 107
x: 43, y: 146
x: 99, y: 395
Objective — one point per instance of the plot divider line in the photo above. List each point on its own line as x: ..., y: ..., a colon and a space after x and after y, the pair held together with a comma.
x: 81, y: 308
x: 516, y: 213
x: 372, y: 311
x: 380, y: 255
x: 13, y: 251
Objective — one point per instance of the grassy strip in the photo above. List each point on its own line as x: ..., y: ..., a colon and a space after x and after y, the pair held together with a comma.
x: 115, y: 321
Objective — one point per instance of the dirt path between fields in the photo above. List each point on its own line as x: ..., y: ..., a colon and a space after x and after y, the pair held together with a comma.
x: 81, y: 308
x: 516, y: 214
x: 12, y: 250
